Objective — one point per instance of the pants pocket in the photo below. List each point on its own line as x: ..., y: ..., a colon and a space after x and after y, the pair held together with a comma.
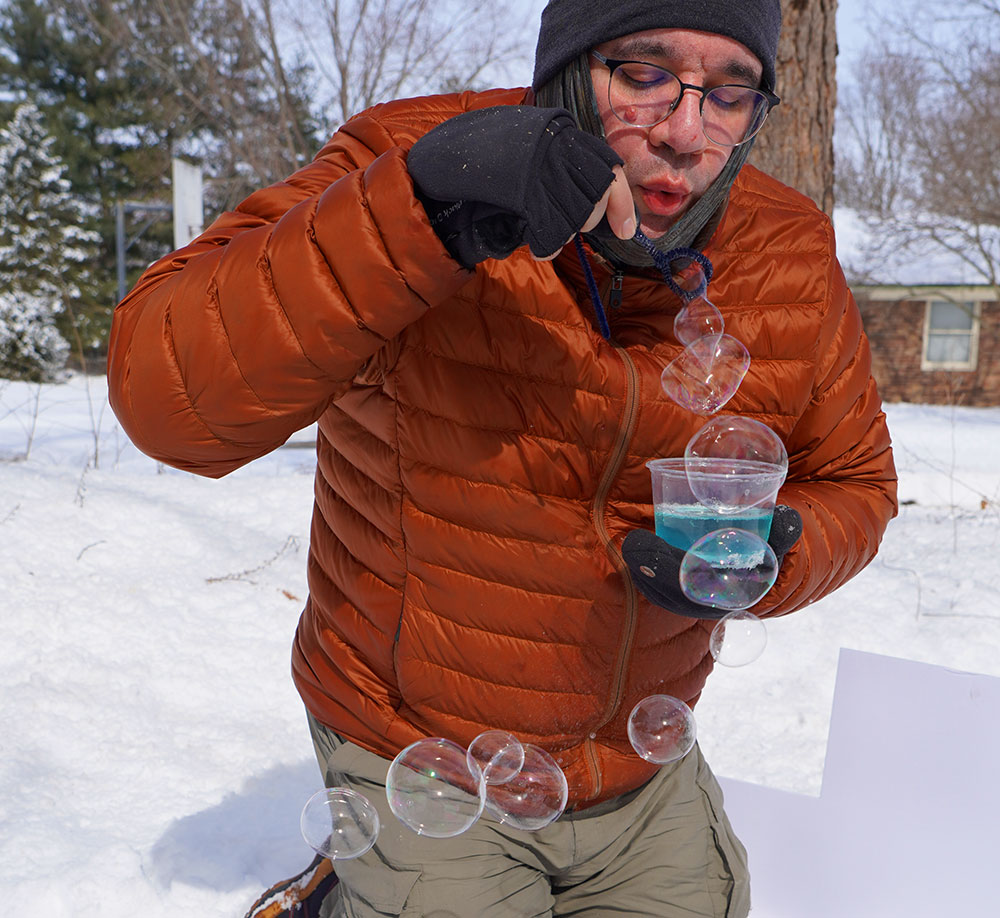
x: 370, y: 888
x: 735, y: 899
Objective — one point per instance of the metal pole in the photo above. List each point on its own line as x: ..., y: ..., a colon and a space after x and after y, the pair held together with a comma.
x: 120, y: 247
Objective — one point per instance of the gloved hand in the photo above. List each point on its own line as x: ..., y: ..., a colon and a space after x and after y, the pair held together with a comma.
x: 494, y: 179
x: 655, y: 565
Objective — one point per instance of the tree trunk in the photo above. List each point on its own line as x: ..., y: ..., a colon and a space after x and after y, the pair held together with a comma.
x: 796, y: 145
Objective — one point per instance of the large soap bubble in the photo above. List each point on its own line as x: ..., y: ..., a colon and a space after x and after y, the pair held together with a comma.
x: 737, y: 488
x: 698, y: 319
x: 706, y: 374
x: 339, y: 823
x: 432, y: 789
x: 729, y: 436
x: 738, y: 638
x: 535, y: 797
x: 661, y: 729
x: 498, y: 754
x: 728, y: 569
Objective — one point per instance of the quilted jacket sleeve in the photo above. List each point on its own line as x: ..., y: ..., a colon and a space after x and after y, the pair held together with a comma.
x: 841, y: 474
x: 228, y: 346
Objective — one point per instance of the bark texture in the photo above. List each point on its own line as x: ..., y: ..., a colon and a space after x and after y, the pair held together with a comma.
x: 796, y: 145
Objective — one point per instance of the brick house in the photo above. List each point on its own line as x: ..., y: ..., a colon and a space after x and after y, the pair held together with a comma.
x: 934, y: 344
x: 934, y: 325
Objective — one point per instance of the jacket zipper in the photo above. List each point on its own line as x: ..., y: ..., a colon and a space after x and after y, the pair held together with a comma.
x: 615, y: 293
x: 623, y: 437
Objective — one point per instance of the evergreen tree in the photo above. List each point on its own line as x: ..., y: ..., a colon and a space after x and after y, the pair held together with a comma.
x: 46, y: 250
x: 124, y: 85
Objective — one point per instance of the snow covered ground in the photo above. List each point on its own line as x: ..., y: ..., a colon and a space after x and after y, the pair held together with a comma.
x: 154, y: 756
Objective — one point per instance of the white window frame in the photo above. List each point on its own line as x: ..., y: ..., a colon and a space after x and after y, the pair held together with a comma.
x: 973, y: 334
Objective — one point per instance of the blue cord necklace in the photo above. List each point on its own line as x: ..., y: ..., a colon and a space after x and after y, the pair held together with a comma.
x: 662, y: 260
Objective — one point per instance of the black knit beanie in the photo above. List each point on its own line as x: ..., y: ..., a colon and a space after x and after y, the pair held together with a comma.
x: 570, y: 27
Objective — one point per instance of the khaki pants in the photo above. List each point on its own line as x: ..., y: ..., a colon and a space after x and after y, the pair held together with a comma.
x: 665, y: 851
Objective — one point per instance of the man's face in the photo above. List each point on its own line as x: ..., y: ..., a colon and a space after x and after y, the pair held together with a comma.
x: 671, y: 164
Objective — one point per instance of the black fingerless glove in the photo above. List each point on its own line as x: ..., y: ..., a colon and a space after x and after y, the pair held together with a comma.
x: 655, y: 565
x: 494, y: 179
x: 786, y: 528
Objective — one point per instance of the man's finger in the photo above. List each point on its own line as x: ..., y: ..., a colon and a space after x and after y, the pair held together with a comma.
x: 597, y: 214
x: 621, y: 208
x: 617, y: 206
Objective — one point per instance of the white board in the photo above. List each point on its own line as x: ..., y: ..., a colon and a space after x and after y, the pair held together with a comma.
x: 189, y: 214
x: 904, y: 824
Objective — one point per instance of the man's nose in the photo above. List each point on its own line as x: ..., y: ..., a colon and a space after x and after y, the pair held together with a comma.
x: 683, y: 130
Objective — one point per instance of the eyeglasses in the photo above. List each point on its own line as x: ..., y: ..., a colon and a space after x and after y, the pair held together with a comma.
x: 642, y: 95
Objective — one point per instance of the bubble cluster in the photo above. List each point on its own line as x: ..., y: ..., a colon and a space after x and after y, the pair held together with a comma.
x: 438, y: 789
x: 339, y: 823
x: 734, y: 465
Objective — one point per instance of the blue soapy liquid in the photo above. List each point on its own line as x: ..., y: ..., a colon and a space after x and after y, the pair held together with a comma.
x: 681, y: 525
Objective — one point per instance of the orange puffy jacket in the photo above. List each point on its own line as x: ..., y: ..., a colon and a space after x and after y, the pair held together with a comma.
x: 481, y: 447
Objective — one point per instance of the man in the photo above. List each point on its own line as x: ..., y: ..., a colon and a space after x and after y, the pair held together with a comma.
x: 485, y: 415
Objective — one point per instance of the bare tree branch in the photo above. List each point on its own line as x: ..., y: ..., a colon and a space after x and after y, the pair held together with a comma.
x: 919, y: 154
x: 370, y: 51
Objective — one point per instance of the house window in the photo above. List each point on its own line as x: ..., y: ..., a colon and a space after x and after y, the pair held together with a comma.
x: 951, y: 335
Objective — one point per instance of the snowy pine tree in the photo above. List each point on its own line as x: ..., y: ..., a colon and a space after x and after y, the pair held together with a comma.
x: 45, y: 249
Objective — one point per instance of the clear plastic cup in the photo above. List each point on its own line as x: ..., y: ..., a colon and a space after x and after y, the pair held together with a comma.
x: 693, y: 497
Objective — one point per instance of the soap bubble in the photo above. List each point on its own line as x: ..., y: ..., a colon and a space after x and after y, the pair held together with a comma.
x: 432, y: 790
x: 688, y: 276
x: 661, y: 729
x: 534, y: 797
x: 698, y: 319
x: 729, y: 436
x: 728, y: 569
x: 339, y: 823
x: 736, y: 488
x: 498, y: 754
x: 738, y: 638
x: 706, y: 374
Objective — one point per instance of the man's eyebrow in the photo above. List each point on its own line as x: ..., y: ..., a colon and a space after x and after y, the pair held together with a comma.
x: 742, y: 72
x: 640, y: 48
